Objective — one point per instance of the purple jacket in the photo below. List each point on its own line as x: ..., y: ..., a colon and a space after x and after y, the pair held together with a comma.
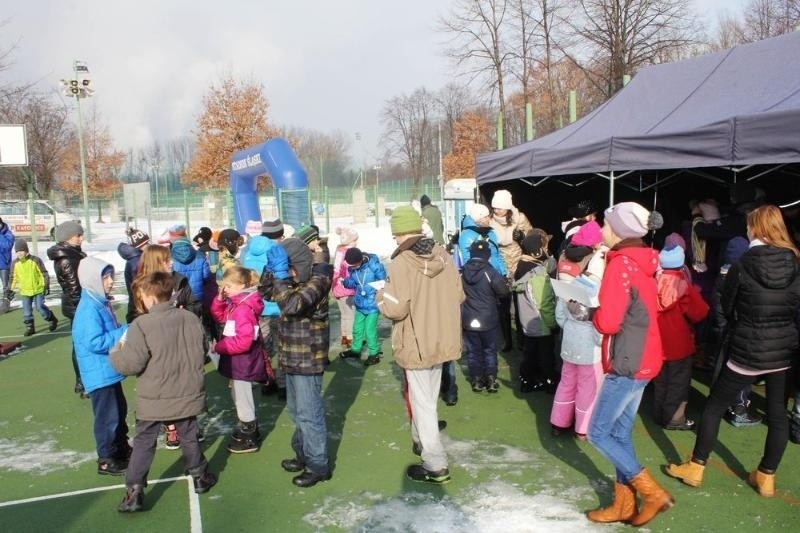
x: 241, y: 352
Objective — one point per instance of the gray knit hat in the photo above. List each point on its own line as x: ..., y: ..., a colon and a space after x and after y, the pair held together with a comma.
x: 272, y: 228
x: 20, y: 246
x: 66, y: 230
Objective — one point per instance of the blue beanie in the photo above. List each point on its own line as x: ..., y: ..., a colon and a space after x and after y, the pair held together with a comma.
x: 735, y: 249
x: 672, y: 258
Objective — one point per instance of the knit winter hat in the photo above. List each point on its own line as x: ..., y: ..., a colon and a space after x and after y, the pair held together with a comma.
x: 347, y: 235
x: 300, y: 258
x: 67, y: 230
x: 138, y: 238
x: 20, y: 246
x: 672, y: 257
x: 353, y: 256
x: 629, y: 219
x: 478, y: 211
x: 229, y: 238
x: 735, y: 249
x: 502, y: 200
x: 272, y: 228
x: 589, y: 234
x: 175, y: 232
x: 674, y: 239
x: 204, y: 235
x: 582, y: 209
x: 480, y: 249
x: 532, y: 244
x: 424, y: 200
x: 307, y: 234
x: 405, y: 220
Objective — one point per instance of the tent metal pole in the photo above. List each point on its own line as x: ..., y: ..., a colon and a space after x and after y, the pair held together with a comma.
x: 611, y: 189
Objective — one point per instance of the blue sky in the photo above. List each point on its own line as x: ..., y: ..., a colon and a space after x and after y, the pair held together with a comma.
x: 324, y: 65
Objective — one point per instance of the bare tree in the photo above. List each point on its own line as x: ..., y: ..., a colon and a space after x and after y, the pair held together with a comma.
x: 453, y: 100
x: 409, y: 124
x: 621, y: 36
x: 477, y: 44
x: 323, y: 154
x: 768, y: 18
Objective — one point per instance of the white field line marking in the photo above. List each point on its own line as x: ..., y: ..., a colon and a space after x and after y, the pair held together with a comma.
x: 195, y: 520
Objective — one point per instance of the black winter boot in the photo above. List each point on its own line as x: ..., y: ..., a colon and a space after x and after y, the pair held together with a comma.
x: 29, y: 329
x: 202, y: 478
x: 53, y: 323
x: 245, y: 438
x: 133, y: 500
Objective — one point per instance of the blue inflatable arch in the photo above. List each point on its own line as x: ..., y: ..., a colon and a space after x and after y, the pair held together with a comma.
x: 276, y: 158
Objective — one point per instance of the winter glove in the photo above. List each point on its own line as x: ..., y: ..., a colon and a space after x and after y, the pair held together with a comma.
x: 518, y: 235
x: 579, y: 311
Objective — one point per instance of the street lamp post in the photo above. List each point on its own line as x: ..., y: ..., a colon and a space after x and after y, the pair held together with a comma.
x: 377, y: 169
x: 78, y: 88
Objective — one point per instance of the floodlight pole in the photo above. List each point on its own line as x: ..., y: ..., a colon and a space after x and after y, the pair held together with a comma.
x: 84, y: 185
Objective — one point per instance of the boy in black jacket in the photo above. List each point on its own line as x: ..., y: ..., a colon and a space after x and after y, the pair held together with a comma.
x: 483, y: 285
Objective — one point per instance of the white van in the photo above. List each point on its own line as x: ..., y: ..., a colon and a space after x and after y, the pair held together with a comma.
x: 15, y: 214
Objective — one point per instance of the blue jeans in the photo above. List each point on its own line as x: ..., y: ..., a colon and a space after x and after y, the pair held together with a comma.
x: 611, y: 427
x: 37, y: 301
x: 110, y: 429
x: 307, y: 410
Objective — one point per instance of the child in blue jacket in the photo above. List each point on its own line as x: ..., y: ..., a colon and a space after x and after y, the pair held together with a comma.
x: 95, y: 331
x: 364, y: 269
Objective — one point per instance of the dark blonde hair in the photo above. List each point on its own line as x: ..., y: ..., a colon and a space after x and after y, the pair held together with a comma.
x: 240, y: 274
x: 152, y: 259
x: 766, y: 223
x: 158, y: 284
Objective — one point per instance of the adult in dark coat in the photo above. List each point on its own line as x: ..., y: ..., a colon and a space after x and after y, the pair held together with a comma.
x: 760, y: 299
x: 66, y: 254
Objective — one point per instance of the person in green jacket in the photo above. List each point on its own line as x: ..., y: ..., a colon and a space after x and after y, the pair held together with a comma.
x: 433, y: 216
x: 30, y: 279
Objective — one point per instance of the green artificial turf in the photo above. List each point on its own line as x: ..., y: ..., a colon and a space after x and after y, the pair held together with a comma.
x: 509, y: 473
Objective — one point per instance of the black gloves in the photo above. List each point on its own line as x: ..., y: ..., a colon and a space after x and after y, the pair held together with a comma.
x: 518, y: 235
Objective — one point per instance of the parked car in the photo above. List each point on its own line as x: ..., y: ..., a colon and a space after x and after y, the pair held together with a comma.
x: 46, y: 218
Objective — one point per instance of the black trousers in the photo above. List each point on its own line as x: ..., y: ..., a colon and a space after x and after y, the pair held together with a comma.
x: 671, y: 389
x: 144, y: 448
x: 722, y: 394
x: 537, y: 359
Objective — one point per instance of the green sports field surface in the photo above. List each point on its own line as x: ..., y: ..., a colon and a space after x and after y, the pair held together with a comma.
x: 508, y: 473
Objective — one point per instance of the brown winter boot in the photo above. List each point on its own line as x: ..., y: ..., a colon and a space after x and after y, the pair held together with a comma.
x: 689, y: 472
x: 763, y: 483
x: 623, y: 508
x: 654, y: 499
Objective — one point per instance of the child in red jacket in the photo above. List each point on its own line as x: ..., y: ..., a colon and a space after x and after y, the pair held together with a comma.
x: 680, y: 306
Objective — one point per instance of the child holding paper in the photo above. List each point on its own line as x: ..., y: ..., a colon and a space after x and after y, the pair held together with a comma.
x: 366, y: 271
x: 581, y: 371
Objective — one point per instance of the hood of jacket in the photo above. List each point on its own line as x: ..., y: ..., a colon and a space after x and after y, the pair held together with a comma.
x: 90, y: 275
x: 63, y: 250
x: 635, y: 250
x: 250, y: 298
x: 128, y: 251
x: 183, y: 251
x: 424, y: 257
x: 473, y: 270
x: 258, y: 245
x: 770, y: 266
